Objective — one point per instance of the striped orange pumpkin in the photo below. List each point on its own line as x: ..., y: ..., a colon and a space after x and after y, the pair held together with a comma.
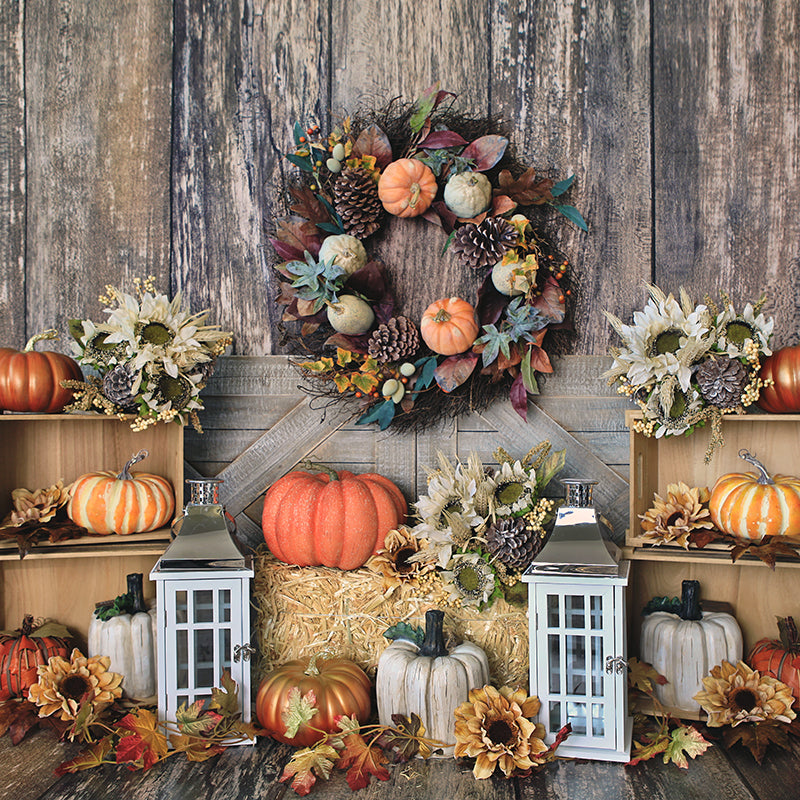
x: 751, y: 506
x: 105, y: 503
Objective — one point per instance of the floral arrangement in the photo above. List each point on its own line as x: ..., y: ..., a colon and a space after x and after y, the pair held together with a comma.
x: 418, y: 160
x: 685, y: 365
x: 151, y: 357
x: 478, y: 529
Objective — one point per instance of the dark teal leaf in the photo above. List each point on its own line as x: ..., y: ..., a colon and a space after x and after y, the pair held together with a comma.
x: 427, y: 372
x: 299, y: 133
x: 299, y: 161
x: 448, y: 242
x: 573, y: 215
x: 332, y: 212
x: 562, y: 186
x: 404, y: 630
x: 330, y: 227
x: 382, y: 413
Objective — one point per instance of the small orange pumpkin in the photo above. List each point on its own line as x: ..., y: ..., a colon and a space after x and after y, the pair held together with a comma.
x: 340, y: 688
x: 751, y: 506
x: 330, y: 519
x: 105, y: 503
x: 780, y: 659
x: 31, y: 381
x: 449, y: 326
x: 407, y: 187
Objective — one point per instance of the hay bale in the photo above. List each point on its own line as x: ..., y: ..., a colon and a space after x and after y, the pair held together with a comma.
x: 307, y: 610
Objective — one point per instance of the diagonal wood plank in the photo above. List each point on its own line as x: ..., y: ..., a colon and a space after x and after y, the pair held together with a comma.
x: 611, y: 492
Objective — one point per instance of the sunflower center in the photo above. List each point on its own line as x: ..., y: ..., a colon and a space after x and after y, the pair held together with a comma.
x: 99, y: 342
x: 678, y: 407
x: 674, y: 518
x: 509, y: 493
x: 172, y: 389
x: 738, y: 332
x: 743, y: 700
x: 668, y: 341
x: 74, y: 686
x: 500, y: 732
x: 470, y: 579
x: 401, y: 562
x: 156, y: 333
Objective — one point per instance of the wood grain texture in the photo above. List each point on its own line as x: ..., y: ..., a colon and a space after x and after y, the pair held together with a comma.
x: 727, y: 151
x: 98, y: 114
x: 575, y: 81
x: 12, y: 173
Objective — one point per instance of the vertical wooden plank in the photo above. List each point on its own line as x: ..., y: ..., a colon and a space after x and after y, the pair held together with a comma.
x: 244, y: 72
x: 727, y: 151
x: 573, y: 78
x: 98, y: 115
x: 12, y: 174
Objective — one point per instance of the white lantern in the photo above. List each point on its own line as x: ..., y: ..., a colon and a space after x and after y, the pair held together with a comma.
x: 203, y: 603
x: 576, y: 609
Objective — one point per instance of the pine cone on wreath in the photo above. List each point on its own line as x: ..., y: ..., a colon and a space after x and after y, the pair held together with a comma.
x: 722, y: 381
x: 484, y: 244
x: 513, y: 542
x: 394, y: 340
x: 117, y: 386
x: 355, y: 198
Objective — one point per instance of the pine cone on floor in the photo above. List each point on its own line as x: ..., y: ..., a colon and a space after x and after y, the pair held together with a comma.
x: 513, y: 542
x: 394, y: 340
x: 722, y: 381
x: 483, y: 244
x: 355, y: 198
x: 117, y: 385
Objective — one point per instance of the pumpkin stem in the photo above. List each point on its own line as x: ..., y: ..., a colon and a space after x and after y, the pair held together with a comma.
x: 308, y: 464
x: 442, y: 316
x: 50, y: 333
x: 433, y: 644
x: 27, y: 625
x: 764, y: 478
x: 125, y: 475
x: 135, y: 590
x: 416, y: 190
x: 788, y: 633
x: 312, y: 668
x: 690, y: 600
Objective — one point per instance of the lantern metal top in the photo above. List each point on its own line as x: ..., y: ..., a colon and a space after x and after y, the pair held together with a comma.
x: 579, y: 544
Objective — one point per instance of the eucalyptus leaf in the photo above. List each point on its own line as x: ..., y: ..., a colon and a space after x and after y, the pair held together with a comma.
x: 303, y: 163
x: 573, y: 215
x: 562, y: 186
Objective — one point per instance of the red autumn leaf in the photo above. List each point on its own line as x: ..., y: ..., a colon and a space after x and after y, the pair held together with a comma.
x: 372, y: 141
x: 308, y: 205
x: 526, y: 190
x: 519, y: 397
x: 502, y: 204
x: 361, y: 762
x: 298, y: 234
x: 286, y: 251
x: 455, y: 370
x: 550, y: 302
x: 441, y: 139
x: 486, y: 151
x: 540, y: 361
x: 143, y: 725
x: 196, y: 748
x: 135, y: 752
x: 447, y: 217
x: 432, y: 216
x: 491, y: 303
x: 25, y: 719
x: 90, y: 758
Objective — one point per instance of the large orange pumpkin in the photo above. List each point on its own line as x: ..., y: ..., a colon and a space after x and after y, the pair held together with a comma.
x: 449, y: 326
x: 783, y: 395
x: 330, y: 519
x: 407, y: 187
x: 780, y: 659
x: 105, y: 503
x: 31, y: 381
x: 340, y: 688
x: 22, y: 655
x: 751, y: 506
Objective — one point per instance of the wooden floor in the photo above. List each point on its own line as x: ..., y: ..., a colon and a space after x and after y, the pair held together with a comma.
x: 252, y: 772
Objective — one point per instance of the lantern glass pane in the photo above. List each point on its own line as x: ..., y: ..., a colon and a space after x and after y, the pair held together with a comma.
x: 204, y: 606
x: 204, y: 658
x: 554, y: 662
x: 597, y: 666
x: 555, y: 716
x: 552, y: 611
x: 598, y: 721
x: 576, y: 714
x: 182, y: 652
x: 181, y: 609
x: 576, y: 665
x: 597, y: 612
x: 225, y: 647
x: 225, y: 605
x: 573, y: 611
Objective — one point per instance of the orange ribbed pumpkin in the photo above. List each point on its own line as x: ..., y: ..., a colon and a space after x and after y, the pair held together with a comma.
x: 780, y: 659
x: 330, y: 519
x: 407, y: 187
x: 783, y: 395
x: 340, y: 688
x: 449, y: 326
x: 105, y: 503
x: 751, y: 506
x: 31, y: 381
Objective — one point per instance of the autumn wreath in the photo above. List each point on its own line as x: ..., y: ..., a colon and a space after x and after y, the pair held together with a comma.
x: 422, y: 159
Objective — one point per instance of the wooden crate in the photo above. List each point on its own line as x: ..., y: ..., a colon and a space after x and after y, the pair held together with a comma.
x: 756, y: 593
x: 64, y: 581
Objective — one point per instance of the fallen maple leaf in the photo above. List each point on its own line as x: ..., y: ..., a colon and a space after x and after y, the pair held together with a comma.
x: 644, y: 751
x: 195, y: 747
x: 299, y: 711
x: 685, y: 741
x: 306, y: 764
x: 641, y: 675
x: 362, y: 761
x: 151, y: 745
x: 92, y: 757
x: 527, y: 189
x: 225, y: 699
x: 405, y: 739
x: 756, y: 736
x: 194, y: 719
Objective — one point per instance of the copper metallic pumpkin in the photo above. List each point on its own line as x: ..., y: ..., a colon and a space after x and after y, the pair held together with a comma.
x: 407, y: 187
x: 783, y: 367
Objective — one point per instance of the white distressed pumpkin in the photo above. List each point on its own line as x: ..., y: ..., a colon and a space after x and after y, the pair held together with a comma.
x: 468, y: 194
x: 684, y: 647
x: 345, y: 251
x: 428, y: 681
x: 350, y: 315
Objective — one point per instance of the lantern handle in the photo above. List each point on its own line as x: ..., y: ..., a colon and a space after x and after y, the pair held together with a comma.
x: 763, y: 479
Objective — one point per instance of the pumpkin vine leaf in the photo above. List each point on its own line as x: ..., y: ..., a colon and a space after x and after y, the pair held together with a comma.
x: 362, y: 761
x: 685, y: 741
x: 306, y: 765
x: 495, y: 341
x: 407, y: 631
x: 301, y: 708
x: 406, y: 738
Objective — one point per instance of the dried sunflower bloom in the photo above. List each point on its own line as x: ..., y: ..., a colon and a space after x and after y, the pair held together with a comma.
x: 398, y: 562
x: 492, y: 727
x: 673, y: 519
x: 468, y: 579
x: 38, y: 506
x: 63, y: 684
x: 740, y: 694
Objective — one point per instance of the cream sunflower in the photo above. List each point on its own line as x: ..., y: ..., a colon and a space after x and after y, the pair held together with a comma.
x: 468, y: 579
x: 39, y: 506
x: 63, y: 685
x: 674, y: 518
x: 733, y: 695
x: 493, y: 728
x: 732, y: 331
x: 513, y: 490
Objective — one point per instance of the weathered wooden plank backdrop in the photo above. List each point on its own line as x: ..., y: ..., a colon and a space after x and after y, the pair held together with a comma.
x: 145, y: 136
